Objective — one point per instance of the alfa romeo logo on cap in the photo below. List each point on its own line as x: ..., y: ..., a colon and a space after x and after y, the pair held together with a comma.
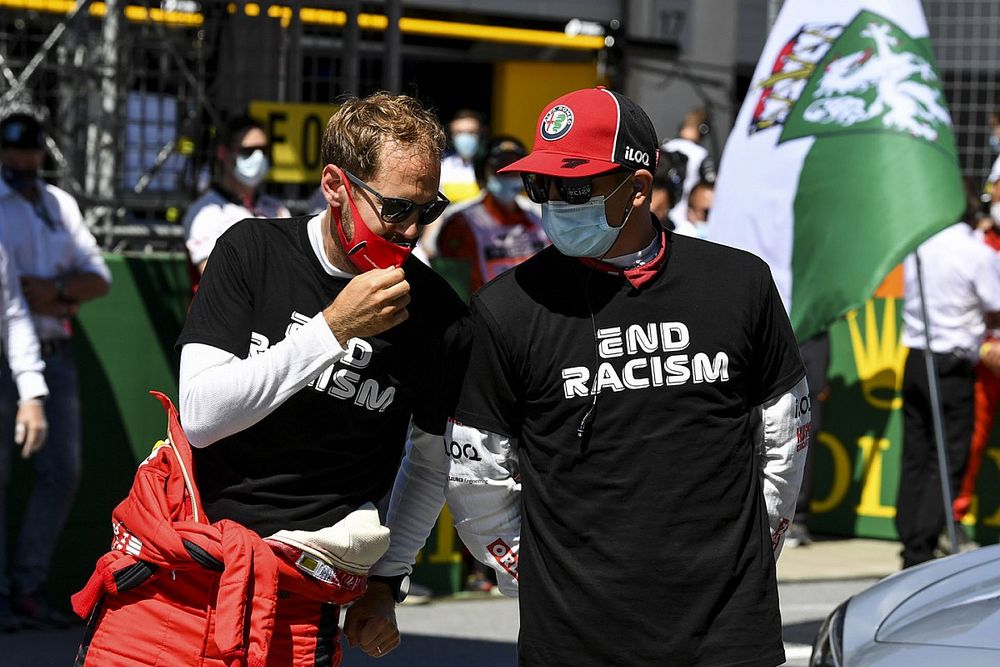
x: 557, y: 122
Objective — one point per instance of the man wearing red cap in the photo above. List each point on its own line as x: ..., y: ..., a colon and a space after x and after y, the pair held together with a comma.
x: 628, y: 442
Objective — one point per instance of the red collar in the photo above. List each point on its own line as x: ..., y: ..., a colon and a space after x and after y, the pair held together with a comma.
x: 639, y: 275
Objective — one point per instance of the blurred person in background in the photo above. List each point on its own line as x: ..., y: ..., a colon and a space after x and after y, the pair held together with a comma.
x: 21, y: 353
x: 700, y: 165
x: 501, y: 227
x: 668, y: 186
x: 459, y: 181
x: 60, y: 267
x: 241, y: 165
x: 986, y: 391
x: 695, y: 222
x: 994, y: 140
x: 458, y: 174
x: 961, y: 280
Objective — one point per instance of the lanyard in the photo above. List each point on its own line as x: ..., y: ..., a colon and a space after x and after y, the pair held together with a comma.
x: 43, y: 213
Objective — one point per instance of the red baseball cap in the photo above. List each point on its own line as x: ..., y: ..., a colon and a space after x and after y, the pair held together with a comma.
x: 588, y: 132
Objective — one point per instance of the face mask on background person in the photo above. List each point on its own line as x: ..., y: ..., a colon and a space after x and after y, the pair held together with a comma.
x: 20, y: 180
x: 582, y: 230
x: 504, y: 188
x: 466, y: 144
x: 995, y: 143
x: 252, y: 169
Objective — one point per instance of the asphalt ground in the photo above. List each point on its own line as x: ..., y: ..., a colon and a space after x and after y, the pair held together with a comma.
x: 465, y: 631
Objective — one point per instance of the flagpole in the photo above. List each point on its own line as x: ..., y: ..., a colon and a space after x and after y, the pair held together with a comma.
x: 936, y: 417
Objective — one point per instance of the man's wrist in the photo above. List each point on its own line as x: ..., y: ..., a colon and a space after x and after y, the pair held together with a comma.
x: 69, y: 305
x: 337, y: 327
x: 399, y: 585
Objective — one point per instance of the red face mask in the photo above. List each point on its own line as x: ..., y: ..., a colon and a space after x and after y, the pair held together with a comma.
x: 367, y: 250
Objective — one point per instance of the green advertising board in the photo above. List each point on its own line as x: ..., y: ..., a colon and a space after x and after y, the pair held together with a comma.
x: 856, y: 470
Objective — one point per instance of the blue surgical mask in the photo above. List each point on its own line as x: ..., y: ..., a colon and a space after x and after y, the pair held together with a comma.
x: 504, y: 188
x: 251, y: 170
x: 995, y: 143
x: 466, y: 144
x: 582, y: 230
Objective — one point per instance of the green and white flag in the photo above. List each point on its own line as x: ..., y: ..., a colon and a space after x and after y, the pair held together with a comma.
x: 842, y: 159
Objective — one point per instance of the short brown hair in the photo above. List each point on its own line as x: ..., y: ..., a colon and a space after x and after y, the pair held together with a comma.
x: 356, y: 133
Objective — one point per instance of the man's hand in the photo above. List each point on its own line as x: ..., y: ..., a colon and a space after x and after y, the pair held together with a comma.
x: 371, y: 621
x: 373, y: 302
x: 30, y: 426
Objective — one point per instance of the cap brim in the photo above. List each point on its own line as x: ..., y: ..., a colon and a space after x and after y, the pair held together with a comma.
x: 505, y: 159
x: 559, y: 164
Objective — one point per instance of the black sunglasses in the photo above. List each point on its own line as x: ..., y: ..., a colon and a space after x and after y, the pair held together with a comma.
x: 571, y: 190
x: 247, y: 151
x: 396, y: 209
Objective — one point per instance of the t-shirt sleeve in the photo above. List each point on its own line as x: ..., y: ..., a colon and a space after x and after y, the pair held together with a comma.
x: 489, y: 399
x: 443, y: 379
x: 445, y: 351
x: 777, y: 364
x: 221, y: 312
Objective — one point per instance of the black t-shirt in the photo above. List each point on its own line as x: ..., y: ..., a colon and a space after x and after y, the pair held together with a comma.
x: 646, y: 541
x: 336, y: 443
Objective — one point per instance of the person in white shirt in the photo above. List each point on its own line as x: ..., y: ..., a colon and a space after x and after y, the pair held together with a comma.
x: 20, y: 347
x: 668, y: 184
x: 699, y: 206
x: 242, y: 165
x: 60, y: 267
x: 458, y: 174
x: 961, y: 280
x: 700, y: 165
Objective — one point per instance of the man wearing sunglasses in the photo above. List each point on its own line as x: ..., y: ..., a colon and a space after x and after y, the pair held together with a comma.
x: 241, y: 165
x: 312, y: 345
x: 627, y: 445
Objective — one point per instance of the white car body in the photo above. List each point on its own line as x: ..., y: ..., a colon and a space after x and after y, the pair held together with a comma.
x: 943, y: 613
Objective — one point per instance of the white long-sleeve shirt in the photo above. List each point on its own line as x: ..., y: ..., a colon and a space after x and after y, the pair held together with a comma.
x: 48, y: 239
x: 20, y: 343
x: 221, y: 394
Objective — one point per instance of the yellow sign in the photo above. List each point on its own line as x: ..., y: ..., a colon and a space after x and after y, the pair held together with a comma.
x: 296, y: 135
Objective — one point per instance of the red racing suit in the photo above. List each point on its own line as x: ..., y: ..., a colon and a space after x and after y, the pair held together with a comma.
x: 176, y: 589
